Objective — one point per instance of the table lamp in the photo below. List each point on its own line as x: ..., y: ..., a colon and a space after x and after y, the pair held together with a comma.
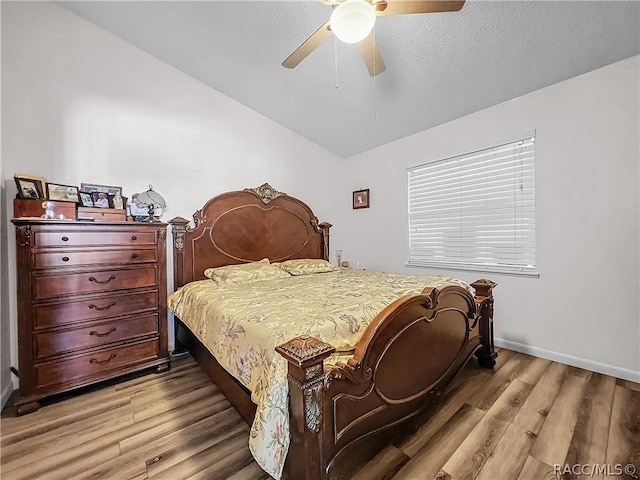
x: 151, y: 200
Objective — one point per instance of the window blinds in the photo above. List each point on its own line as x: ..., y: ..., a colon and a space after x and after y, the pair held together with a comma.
x: 475, y: 211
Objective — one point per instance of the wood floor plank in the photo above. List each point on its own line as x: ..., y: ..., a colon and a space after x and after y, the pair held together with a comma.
x: 71, y: 436
x: 154, y: 407
x: 236, y: 459
x: 63, y: 467
x: 431, y: 457
x: 135, y: 432
x: 534, y: 469
x: 535, y: 368
x: 500, y: 381
x: 250, y: 472
x: 191, y: 438
x: 65, y: 413
x: 623, y: 446
x: 589, y: 442
x: 440, y: 413
x: 473, y: 452
x: 56, y: 421
x: 512, y: 450
x: 221, y: 427
x: 387, y: 463
x: 153, y: 427
x: 179, y: 368
x: 628, y: 384
x: 552, y: 444
x: 203, y: 460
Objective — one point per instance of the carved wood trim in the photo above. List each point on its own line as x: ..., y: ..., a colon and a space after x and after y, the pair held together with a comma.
x: 484, y: 302
x: 266, y: 193
x: 301, y: 350
x: 23, y: 235
x: 313, y: 398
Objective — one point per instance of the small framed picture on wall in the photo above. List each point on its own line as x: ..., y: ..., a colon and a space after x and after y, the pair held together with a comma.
x: 361, y: 198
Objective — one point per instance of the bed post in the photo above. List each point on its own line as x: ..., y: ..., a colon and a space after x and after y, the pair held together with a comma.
x: 306, y: 398
x: 484, y: 302
x: 324, y: 228
x: 178, y: 227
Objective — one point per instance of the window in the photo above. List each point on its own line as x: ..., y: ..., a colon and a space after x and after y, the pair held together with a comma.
x: 475, y: 211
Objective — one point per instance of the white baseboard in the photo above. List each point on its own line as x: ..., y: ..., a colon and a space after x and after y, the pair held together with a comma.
x: 604, y: 368
x: 6, y: 393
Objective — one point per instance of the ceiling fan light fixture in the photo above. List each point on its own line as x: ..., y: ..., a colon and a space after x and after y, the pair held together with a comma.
x: 353, y: 20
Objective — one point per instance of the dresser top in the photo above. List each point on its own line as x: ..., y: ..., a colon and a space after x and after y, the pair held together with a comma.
x: 43, y: 221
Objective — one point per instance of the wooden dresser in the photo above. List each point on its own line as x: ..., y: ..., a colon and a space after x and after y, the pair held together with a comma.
x: 91, y: 303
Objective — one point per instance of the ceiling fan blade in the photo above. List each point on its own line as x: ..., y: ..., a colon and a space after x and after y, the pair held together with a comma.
x: 309, y: 45
x: 371, y: 55
x: 404, y: 7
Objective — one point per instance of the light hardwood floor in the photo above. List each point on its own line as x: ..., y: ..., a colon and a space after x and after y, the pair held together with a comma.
x: 511, y: 423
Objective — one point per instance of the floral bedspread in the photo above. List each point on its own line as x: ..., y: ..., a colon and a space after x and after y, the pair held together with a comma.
x: 241, y: 324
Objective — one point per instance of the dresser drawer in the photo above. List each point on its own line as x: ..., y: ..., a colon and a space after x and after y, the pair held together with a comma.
x: 122, y: 256
x: 95, y: 308
x: 102, y: 214
x: 81, y: 368
x: 50, y: 286
x: 53, y: 343
x: 73, y: 238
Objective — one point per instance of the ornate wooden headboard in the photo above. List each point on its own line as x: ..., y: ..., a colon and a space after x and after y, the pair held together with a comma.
x: 246, y: 226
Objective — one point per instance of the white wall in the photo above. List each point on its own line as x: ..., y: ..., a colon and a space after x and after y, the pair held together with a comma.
x: 584, y: 308
x: 80, y: 105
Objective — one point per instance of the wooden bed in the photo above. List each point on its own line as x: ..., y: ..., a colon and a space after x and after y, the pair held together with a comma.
x: 400, y: 367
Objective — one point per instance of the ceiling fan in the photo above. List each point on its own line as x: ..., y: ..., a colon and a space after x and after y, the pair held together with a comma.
x: 352, y: 21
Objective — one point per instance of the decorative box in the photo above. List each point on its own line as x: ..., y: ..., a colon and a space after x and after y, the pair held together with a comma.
x: 102, y: 214
x: 39, y: 208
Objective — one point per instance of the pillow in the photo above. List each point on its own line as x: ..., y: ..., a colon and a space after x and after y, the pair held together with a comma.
x: 245, y: 272
x: 306, y: 266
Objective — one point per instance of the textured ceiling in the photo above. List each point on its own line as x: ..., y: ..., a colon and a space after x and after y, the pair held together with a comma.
x: 439, y: 66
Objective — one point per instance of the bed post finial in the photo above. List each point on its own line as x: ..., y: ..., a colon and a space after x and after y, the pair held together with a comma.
x: 484, y: 302
x: 306, y: 398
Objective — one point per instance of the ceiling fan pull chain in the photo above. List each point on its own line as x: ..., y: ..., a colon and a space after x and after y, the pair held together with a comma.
x: 335, y: 43
x: 375, y: 104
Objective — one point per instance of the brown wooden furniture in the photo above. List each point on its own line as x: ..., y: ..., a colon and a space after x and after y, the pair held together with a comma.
x: 91, y: 304
x: 39, y: 208
x: 405, y: 358
x: 102, y: 214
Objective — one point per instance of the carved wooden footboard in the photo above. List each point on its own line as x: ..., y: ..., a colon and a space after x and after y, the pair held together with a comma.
x: 405, y: 359
x: 406, y: 356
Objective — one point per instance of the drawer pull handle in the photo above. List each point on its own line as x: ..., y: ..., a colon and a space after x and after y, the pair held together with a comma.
x: 134, y: 255
x: 65, y: 259
x: 96, y: 334
x: 95, y: 361
x: 133, y: 237
x: 65, y: 239
x: 100, y: 309
x: 102, y: 282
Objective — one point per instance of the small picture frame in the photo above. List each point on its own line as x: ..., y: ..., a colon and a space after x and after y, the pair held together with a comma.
x: 91, y: 187
x: 85, y: 199
x: 27, y: 185
x: 62, y: 193
x: 28, y: 188
x: 361, y: 199
x: 102, y: 199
